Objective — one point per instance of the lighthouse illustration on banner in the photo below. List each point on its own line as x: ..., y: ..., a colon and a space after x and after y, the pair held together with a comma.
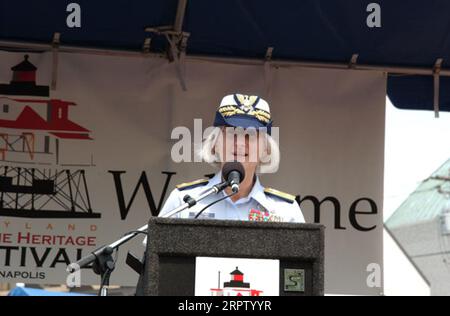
x: 35, y: 182
x: 236, y: 277
x: 236, y: 286
x: 32, y: 124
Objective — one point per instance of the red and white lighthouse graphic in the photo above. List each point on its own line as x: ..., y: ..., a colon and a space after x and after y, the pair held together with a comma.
x: 32, y: 123
x: 24, y: 81
x: 34, y: 128
x: 236, y: 286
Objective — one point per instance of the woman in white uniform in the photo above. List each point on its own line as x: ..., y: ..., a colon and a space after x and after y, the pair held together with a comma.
x: 242, y: 133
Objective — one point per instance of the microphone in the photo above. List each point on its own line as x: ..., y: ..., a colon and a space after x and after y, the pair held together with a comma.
x: 234, y: 173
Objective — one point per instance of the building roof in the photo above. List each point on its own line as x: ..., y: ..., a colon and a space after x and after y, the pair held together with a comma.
x: 29, y: 119
x: 237, y: 272
x: 25, y: 65
x: 426, y: 202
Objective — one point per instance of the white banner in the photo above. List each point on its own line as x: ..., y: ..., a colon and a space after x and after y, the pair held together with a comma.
x: 85, y: 163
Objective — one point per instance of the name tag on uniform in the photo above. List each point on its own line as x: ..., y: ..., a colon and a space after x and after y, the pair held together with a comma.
x: 202, y: 216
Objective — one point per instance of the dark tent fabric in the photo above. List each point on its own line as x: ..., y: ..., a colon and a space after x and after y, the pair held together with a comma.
x: 416, y: 92
x: 414, y: 33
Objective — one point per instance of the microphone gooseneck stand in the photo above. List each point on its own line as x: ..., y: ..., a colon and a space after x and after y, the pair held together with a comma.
x: 102, y: 261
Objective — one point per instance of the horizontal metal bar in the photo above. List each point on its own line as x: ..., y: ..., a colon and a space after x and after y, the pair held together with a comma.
x: 400, y: 70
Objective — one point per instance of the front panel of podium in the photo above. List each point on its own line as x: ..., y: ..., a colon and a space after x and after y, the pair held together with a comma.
x: 174, y: 244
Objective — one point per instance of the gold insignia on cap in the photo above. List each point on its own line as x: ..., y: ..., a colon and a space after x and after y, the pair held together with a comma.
x: 193, y: 184
x: 262, y: 116
x: 232, y: 110
x: 281, y: 195
x: 247, y: 102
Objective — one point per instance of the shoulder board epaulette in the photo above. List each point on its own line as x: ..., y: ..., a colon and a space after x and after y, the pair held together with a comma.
x: 193, y: 184
x: 281, y: 195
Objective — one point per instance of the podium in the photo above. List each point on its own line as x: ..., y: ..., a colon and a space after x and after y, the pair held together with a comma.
x: 174, y: 244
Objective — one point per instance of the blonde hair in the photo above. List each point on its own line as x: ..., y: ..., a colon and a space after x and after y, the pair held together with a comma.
x: 270, y: 164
